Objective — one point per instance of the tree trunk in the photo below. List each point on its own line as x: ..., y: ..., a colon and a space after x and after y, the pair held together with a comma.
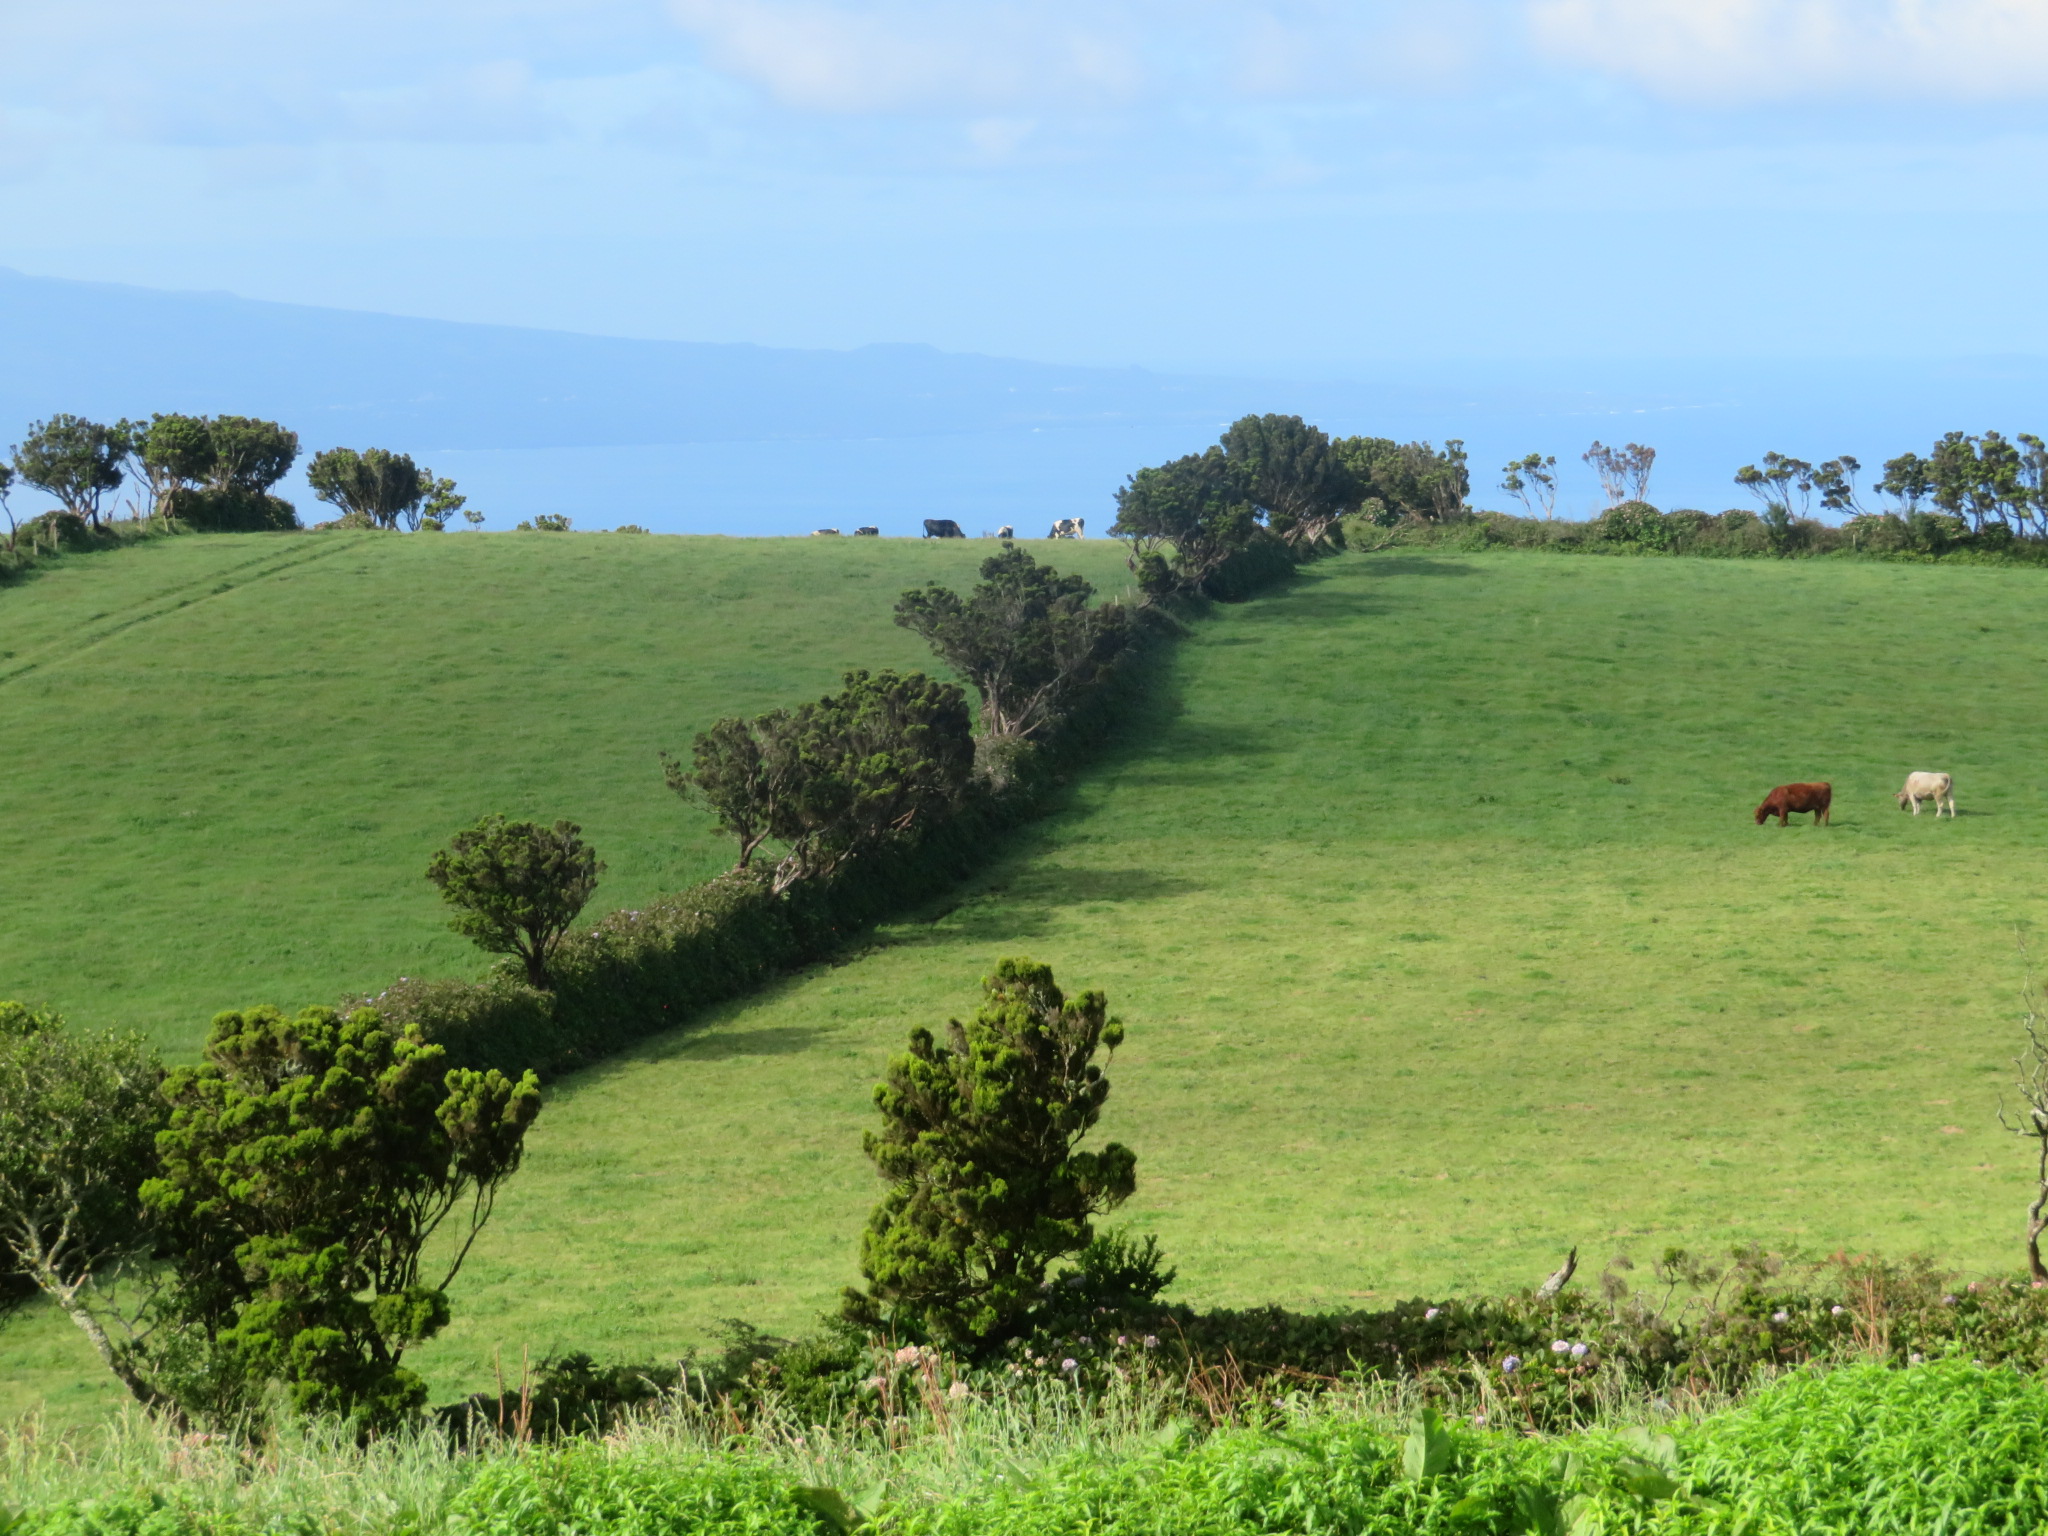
x: 138, y: 1387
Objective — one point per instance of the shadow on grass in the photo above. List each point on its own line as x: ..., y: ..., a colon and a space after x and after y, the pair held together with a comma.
x: 1417, y: 565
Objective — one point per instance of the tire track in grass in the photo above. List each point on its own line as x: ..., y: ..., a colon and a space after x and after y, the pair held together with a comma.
x: 215, y: 584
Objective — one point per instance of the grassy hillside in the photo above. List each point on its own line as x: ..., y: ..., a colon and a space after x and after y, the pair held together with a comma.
x: 228, y: 759
x: 1433, y: 904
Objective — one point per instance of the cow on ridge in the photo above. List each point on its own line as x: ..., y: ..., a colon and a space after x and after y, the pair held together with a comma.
x: 942, y: 528
x: 1069, y: 528
x: 1938, y: 787
x: 1788, y: 800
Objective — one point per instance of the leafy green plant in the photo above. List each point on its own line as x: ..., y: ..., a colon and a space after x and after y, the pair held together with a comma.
x: 306, y: 1169
x: 980, y: 1143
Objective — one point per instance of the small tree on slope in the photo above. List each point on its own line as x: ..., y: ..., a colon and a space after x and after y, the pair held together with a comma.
x: 980, y: 1145
x: 516, y: 886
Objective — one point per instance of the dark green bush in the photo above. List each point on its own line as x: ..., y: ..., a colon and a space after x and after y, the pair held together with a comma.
x: 1637, y: 523
x: 233, y: 510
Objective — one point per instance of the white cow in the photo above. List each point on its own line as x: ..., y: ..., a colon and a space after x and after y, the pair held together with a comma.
x: 1069, y: 528
x: 1938, y: 787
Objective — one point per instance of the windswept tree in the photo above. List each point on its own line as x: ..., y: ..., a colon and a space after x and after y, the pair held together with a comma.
x: 1836, y: 482
x: 441, y: 502
x: 375, y: 487
x: 981, y: 1146
x: 6, y: 485
x: 1957, y: 479
x: 1776, y: 481
x: 215, y: 472
x: 1025, y: 637
x: 1907, y: 480
x: 1533, y: 480
x: 1407, y: 480
x: 79, y: 1113
x: 516, y: 886
x: 249, y: 455
x: 171, y: 454
x: 1193, y: 507
x: 308, y: 1169
x: 1624, y: 472
x: 77, y: 461
x: 2030, y: 503
x: 834, y: 779
x: 1291, y: 473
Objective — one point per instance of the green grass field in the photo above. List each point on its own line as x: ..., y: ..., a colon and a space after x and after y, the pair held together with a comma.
x: 1430, y: 896
x: 228, y: 759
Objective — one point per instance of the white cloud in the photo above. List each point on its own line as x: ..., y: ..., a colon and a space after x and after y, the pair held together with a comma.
x: 905, y: 56
x: 1746, y: 50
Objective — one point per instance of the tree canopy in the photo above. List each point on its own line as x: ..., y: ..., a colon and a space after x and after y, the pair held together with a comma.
x: 77, y: 461
x: 1025, y: 637
x: 375, y: 487
x: 833, y: 779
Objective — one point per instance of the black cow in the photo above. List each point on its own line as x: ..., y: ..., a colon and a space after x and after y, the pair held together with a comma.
x: 942, y: 528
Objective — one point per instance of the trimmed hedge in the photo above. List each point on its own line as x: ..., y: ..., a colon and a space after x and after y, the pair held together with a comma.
x: 639, y: 971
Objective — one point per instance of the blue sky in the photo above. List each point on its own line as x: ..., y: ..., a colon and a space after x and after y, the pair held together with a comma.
x: 1296, y: 188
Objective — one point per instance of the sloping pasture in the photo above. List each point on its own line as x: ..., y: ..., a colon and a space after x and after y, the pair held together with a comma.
x: 1428, y: 890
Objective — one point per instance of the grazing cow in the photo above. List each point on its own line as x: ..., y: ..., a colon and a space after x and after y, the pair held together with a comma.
x: 1938, y: 787
x: 823, y: 533
x: 1069, y: 528
x: 867, y: 533
x: 942, y: 528
x: 1006, y: 532
x: 1788, y: 799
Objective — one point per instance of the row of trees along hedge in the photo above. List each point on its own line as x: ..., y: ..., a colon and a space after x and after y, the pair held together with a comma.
x: 1984, y: 496
x: 263, y: 1218
x: 884, y: 793
x: 213, y: 474
x: 1273, y: 491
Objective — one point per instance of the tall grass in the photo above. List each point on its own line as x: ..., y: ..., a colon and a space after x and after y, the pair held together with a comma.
x: 1949, y: 1448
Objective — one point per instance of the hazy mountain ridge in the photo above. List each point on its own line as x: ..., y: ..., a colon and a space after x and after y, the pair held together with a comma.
x: 104, y: 349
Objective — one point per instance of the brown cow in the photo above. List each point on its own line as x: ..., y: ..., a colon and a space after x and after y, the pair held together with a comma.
x: 1786, y: 799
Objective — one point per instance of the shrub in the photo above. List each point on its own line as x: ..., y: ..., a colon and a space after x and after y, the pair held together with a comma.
x: 304, y: 1170
x: 79, y: 1114
x: 980, y: 1141
x: 1637, y: 523
x: 232, y: 510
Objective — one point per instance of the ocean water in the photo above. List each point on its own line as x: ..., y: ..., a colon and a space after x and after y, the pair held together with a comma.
x: 1706, y: 420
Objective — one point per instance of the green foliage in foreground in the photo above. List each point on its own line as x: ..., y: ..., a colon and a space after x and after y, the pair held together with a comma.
x: 1947, y: 1448
x: 305, y: 1169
